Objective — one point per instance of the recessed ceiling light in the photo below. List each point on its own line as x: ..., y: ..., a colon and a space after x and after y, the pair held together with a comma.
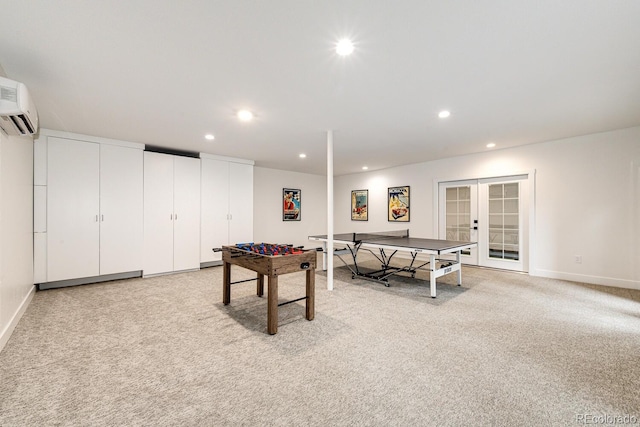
x: 210, y: 137
x: 491, y: 145
x: 364, y: 168
x: 444, y: 114
x: 344, y: 47
x: 245, y: 115
x: 302, y: 155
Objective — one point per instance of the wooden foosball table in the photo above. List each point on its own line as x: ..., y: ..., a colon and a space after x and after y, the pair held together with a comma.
x: 270, y: 260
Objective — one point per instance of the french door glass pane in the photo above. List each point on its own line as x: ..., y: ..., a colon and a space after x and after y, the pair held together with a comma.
x: 511, y: 206
x: 496, y: 221
x: 464, y: 193
x: 511, y: 191
x: 496, y: 206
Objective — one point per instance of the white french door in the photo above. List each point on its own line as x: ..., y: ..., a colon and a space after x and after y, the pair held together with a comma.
x: 459, y: 215
x: 492, y: 212
x: 503, y: 238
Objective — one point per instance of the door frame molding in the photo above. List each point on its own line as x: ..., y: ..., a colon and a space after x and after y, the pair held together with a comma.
x: 531, y: 178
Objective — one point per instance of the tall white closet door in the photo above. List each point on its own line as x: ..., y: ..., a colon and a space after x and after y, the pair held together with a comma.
x: 214, y: 208
x: 186, y: 210
x: 121, y: 209
x: 73, y: 230
x: 240, y: 202
x: 158, y: 213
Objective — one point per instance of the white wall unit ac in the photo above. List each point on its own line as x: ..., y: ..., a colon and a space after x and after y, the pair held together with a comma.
x: 227, y: 205
x: 18, y: 114
x: 94, y: 210
x: 171, y: 213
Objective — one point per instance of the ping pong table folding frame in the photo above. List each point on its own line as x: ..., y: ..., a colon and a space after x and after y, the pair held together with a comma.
x: 438, y: 267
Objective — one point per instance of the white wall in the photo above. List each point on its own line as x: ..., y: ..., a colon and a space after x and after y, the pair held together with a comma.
x: 268, y: 225
x: 587, y: 202
x: 16, y: 231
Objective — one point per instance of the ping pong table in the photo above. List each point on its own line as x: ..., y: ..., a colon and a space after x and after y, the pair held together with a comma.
x: 388, y: 244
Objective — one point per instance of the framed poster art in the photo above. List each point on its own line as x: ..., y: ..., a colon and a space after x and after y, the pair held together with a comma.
x: 359, y: 205
x: 398, y: 203
x: 291, y: 204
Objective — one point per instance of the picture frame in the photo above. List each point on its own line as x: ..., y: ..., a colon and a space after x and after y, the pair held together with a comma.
x: 359, y: 205
x: 291, y: 204
x: 398, y: 204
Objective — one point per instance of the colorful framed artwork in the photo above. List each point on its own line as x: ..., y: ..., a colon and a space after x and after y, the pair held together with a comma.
x: 291, y: 204
x: 359, y: 205
x: 398, y: 203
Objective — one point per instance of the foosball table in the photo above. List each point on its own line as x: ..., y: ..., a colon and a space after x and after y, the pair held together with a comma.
x: 271, y: 260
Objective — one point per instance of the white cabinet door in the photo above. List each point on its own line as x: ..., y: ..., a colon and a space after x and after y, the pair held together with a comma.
x: 121, y: 209
x: 73, y: 230
x: 214, y: 208
x: 186, y: 210
x: 158, y: 213
x: 240, y: 202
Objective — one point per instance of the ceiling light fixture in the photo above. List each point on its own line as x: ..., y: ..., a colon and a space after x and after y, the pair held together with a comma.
x: 245, y: 115
x: 491, y: 145
x: 302, y: 155
x: 210, y: 137
x: 364, y: 168
x: 444, y: 114
x: 344, y: 47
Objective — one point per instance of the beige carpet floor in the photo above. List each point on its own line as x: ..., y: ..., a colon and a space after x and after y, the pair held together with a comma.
x: 504, y: 349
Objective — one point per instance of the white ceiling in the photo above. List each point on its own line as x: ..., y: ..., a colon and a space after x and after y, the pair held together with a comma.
x: 166, y: 72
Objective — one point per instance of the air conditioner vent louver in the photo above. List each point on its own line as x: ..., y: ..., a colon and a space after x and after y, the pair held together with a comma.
x: 18, y: 114
x: 8, y: 94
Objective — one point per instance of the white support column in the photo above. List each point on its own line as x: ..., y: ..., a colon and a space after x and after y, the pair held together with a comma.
x: 329, y: 245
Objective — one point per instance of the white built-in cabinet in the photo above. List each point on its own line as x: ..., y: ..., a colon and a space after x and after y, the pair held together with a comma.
x: 227, y: 205
x: 171, y: 213
x: 106, y: 209
x: 93, y: 209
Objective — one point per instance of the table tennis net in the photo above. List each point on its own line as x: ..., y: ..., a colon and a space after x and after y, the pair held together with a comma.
x: 359, y: 237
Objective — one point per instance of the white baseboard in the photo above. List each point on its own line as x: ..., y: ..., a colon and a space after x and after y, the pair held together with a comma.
x: 593, y: 280
x: 8, y: 330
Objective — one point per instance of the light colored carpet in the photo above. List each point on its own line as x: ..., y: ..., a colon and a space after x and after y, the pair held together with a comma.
x: 504, y: 349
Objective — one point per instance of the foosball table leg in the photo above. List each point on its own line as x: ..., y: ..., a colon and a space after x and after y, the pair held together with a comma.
x: 260, y: 285
x: 311, y: 292
x: 226, y: 289
x: 272, y: 305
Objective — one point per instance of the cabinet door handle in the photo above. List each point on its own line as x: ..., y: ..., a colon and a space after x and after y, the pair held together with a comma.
x: 171, y: 217
x: 96, y: 218
x: 175, y: 216
x: 102, y: 218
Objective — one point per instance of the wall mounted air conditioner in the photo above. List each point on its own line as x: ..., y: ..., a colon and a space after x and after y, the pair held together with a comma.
x: 18, y: 114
